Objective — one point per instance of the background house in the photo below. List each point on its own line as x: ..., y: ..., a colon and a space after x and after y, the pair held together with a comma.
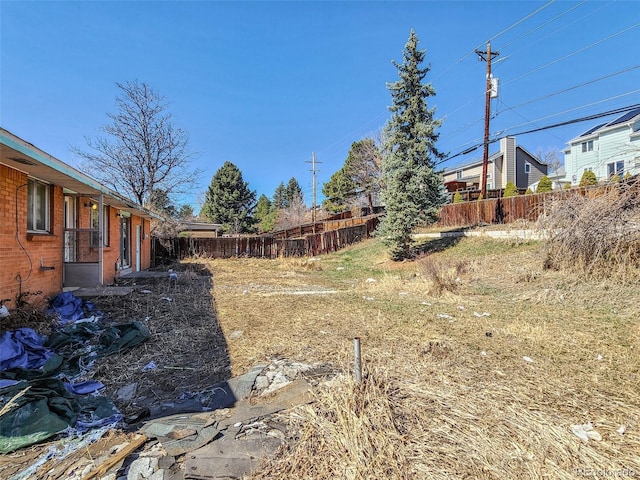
x: 60, y: 228
x: 511, y: 164
x: 606, y: 149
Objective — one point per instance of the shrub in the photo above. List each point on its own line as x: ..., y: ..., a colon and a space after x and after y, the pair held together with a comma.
x: 528, y: 192
x: 544, y: 185
x: 595, y: 237
x: 615, y: 178
x: 627, y: 175
x: 510, y: 190
x: 588, y: 178
x: 444, y: 275
x: 457, y: 198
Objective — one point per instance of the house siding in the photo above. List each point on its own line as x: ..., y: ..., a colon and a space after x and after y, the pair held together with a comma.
x: 21, y: 255
x: 615, y: 143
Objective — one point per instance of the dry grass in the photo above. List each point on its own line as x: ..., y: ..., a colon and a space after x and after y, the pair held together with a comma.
x: 598, y: 237
x: 448, y: 393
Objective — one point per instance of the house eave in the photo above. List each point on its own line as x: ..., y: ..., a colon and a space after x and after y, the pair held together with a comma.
x: 25, y: 157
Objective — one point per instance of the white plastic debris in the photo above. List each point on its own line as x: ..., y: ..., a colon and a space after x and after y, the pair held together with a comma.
x: 403, y: 293
x: 145, y: 291
x: 599, y: 357
x: 527, y: 359
x: 167, y: 299
x: 149, y: 366
x: 339, y: 268
x: 460, y: 307
x: 444, y: 315
x: 369, y: 298
x: 621, y: 430
x: 585, y: 432
x: 483, y: 314
x: 370, y: 280
x: 425, y: 303
x: 4, y: 312
x: 483, y: 353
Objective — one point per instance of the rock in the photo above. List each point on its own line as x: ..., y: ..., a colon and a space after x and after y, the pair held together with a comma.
x: 261, y: 383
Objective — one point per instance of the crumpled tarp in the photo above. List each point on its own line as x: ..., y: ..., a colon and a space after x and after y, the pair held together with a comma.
x: 44, y: 407
x: 38, y: 403
x: 69, y: 308
x: 23, y: 348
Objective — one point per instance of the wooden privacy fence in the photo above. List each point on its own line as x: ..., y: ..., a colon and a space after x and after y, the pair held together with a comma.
x: 510, y: 209
x: 264, y: 246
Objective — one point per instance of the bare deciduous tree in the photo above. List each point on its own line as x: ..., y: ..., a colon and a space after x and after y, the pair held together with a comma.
x: 552, y: 158
x: 141, y: 151
x: 364, y: 166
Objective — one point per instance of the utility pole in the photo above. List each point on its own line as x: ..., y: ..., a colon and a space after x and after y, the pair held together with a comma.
x: 487, y: 56
x: 313, y: 169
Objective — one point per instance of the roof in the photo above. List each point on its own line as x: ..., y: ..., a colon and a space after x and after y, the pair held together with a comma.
x: 201, y: 226
x: 622, y: 119
x: 25, y: 157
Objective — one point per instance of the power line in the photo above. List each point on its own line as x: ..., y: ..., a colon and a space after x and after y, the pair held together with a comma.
x: 580, y: 50
x: 543, y: 25
x: 547, y: 127
x: 539, y: 39
x: 576, y: 108
x: 589, y: 82
x: 472, y: 51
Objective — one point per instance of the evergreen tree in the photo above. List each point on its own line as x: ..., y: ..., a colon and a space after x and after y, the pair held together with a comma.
x: 160, y: 202
x: 413, y: 191
x: 337, y: 192
x: 544, y: 185
x: 265, y: 214
x: 280, y: 197
x: 510, y: 190
x: 229, y: 201
x: 185, y: 212
x: 588, y: 178
x: 293, y: 193
x: 457, y: 198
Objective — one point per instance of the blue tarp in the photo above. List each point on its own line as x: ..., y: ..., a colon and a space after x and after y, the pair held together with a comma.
x: 23, y: 348
x: 69, y: 308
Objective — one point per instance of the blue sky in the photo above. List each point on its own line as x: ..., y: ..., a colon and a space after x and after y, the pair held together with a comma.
x: 264, y: 84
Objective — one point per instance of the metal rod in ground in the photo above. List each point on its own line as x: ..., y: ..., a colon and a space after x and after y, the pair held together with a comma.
x: 358, y: 362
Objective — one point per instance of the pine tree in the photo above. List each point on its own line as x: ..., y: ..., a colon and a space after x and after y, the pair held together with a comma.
x: 229, y: 201
x: 337, y: 192
x: 544, y: 185
x: 457, y: 198
x: 413, y: 191
x: 510, y: 190
x: 265, y: 214
x: 280, y: 197
x: 588, y: 178
x: 293, y: 193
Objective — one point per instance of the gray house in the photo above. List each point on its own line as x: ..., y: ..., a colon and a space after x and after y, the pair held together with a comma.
x: 511, y: 164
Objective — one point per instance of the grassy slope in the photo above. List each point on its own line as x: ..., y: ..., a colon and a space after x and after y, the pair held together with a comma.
x: 448, y: 393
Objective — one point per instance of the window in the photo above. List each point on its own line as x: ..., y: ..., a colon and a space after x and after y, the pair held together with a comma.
x: 37, y: 206
x: 458, y: 174
x: 615, y: 168
x: 587, y: 146
x: 527, y: 167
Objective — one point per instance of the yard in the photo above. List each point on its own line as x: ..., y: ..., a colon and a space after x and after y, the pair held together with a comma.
x: 478, y: 362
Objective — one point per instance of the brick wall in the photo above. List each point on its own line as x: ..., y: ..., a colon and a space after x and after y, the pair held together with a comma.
x: 20, y: 259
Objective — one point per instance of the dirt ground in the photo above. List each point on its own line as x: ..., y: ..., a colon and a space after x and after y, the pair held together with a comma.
x: 478, y: 362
